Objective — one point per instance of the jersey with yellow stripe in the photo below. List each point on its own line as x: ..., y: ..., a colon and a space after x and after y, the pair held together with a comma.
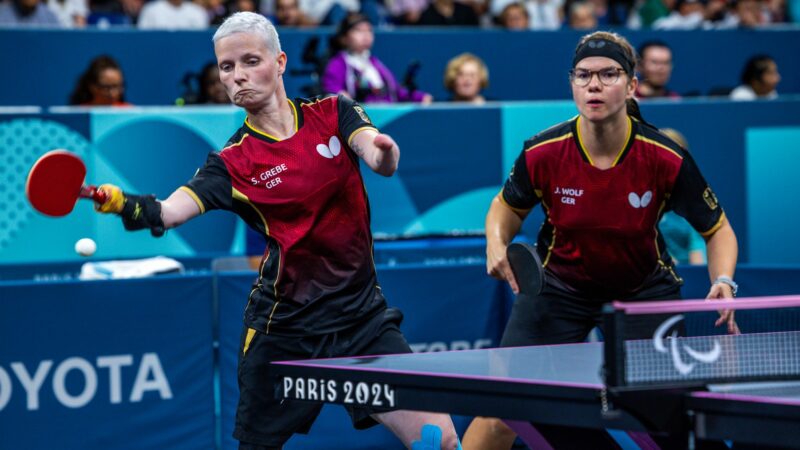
x: 600, y: 237
x: 306, y: 195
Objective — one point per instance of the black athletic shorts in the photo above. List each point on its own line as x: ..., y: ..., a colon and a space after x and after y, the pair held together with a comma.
x: 264, y: 422
x: 558, y: 317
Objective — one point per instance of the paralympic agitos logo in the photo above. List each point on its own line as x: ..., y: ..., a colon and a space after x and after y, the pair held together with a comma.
x: 676, y: 351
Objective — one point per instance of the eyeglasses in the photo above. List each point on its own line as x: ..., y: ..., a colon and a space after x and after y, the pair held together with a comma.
x: 607, y: 76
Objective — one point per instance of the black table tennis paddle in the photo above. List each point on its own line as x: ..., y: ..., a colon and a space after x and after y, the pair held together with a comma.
x: 527, y: 268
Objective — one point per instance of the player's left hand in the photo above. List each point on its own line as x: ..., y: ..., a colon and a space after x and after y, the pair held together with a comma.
x: 722, y: 291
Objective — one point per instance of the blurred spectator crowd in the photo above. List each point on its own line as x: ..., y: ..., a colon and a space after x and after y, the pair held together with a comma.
x: 508, y: 14
x: 348, y: 66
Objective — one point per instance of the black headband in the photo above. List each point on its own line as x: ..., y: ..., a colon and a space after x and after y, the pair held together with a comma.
x: 606, y: 48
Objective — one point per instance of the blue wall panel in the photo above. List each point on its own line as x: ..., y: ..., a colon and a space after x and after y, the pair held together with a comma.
x: 107, y: 364
x: 523, y: 66
x: 75, y: 333
x: 772, y: 156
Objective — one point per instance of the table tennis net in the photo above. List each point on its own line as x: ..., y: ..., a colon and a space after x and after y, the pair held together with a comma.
x: 685, y: 346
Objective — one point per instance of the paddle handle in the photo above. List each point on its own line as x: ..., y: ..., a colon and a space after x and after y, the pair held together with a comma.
x: 98, y: 195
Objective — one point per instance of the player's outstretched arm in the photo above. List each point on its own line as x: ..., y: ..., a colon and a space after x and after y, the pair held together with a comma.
x: 146, y: 212
x: 379, y: 151
x: 178, y: 208
x: 723, y: 251
x: 502, y: 224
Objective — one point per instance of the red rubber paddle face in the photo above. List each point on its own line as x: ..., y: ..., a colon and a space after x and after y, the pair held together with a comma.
x: 54, y: 183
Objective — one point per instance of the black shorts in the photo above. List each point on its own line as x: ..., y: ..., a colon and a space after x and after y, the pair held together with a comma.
x: 264, y: 421
x: 558, y: 317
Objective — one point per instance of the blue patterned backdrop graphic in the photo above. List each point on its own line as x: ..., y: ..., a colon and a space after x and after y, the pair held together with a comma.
x: 453, y: 161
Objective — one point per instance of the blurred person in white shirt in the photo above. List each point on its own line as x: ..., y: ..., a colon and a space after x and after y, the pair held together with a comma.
x: 685, y: 15
x: 173, y: 15
x: 760, y: 77
x: 582, y: 16
x: 542, y: 14
x: 71, y: 13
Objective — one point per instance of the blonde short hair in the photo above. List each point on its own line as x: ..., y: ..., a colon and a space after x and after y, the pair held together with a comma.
x: 248, y: 22
x: 451, y: 71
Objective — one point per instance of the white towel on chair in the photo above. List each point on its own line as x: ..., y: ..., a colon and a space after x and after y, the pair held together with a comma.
x: 137, y: 268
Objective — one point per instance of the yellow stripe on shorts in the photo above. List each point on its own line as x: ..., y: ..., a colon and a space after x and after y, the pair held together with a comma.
x: 247, y: 340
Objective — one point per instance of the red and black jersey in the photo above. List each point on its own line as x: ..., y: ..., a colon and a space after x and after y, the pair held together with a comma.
x: 306, y: 195
x: 600, y: 237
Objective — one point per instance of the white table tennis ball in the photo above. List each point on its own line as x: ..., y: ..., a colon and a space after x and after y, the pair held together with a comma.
x: 85, y: 247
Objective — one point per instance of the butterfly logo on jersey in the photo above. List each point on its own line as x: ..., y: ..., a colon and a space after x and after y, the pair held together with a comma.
x: 331, y: 150
x: 640, y: 202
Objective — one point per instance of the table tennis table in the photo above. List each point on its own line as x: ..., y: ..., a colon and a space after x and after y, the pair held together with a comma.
x: 743, y: 388
x: 558, y: 385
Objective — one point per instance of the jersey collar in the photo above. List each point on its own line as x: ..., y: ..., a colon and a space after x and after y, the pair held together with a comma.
x: 632, y: 131
x: 264, y: 136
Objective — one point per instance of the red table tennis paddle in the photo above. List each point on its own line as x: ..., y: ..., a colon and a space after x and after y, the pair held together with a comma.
x: 55, y: 183
x: 527, y: 268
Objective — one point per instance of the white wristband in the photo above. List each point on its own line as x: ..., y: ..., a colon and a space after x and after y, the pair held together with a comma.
x: 729, y: 281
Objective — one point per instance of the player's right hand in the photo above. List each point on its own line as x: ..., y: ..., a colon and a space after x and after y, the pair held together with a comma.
x: 498, y: 267
x: 722, y: 291
x: 115, y: 199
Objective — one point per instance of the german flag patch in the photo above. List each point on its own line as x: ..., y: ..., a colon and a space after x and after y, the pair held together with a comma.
x: 363, y: 114
x: 710, y: 199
